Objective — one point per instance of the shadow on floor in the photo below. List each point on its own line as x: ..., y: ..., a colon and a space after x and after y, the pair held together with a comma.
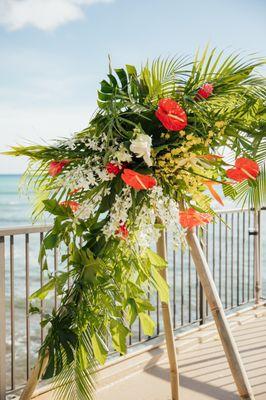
x: 194, y: 385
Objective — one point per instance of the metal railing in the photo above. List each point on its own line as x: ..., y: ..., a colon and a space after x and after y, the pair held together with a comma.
x: 232, y: 246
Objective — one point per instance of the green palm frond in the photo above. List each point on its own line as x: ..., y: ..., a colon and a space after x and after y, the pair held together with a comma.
x: 76, y: 380
x: 164, y: 76
x: 223, y: 71
x: 253, y: 195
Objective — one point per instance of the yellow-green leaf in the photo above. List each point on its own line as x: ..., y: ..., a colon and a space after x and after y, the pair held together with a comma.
x: 161, y: 285
x: 147, y: 324
x: 155, y: 259
x: 100, y: 350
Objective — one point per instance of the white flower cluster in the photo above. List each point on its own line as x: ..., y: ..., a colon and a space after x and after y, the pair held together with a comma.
x: 90, y: 206
x: 95, y: 144
x: 85, y: 176
x: 147, y: 233
x: 118, y: 213
x: 166, y: 210
x: 122, y: 155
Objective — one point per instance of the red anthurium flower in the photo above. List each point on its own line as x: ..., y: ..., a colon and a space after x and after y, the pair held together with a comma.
x: 57, y: 166
x: 113, y: 168
x: 138, y: 181
x: 71, y: 204
x: 191, y: 218
x: 245, y: 168
x: 122, y: 231
x: 204, y: 91
x: 171, y: 115
x: 215, y: 195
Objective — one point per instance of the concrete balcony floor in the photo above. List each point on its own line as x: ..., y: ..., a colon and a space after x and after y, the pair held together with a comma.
x: 204, y: 372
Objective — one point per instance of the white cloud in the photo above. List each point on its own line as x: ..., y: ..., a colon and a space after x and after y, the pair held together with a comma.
x: 46, y: 15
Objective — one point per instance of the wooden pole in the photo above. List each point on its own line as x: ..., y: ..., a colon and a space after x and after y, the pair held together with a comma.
x: 212, y: 296
x: 35, y: 375
x: 168, y: 329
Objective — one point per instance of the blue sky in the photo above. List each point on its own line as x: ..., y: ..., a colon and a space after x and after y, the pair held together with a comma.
x: 55, y: 52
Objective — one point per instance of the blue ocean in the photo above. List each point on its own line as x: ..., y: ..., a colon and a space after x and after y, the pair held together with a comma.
x: 15, y: 207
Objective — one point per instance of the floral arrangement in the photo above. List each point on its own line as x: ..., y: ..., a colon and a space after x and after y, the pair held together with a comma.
x: 166, y: 144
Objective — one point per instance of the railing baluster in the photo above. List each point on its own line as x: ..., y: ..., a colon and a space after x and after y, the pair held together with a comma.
x: 197, y: 293
x: 213, y: 250
x: 41, y: 284
x: 207, y: 258
x: 182, y: 287
x: 243, y: 258
x: 174, y: 288
x: 202, y: 298
x: 232, y: 260
x: 249, y: 256
x: 55, y: 272
x: 238, y: 260
x: 157, y: 313
x: 27, y: 304
x: 220, y: 257
x: 2, y: 320
x: 226, y: 263
x: 189, y: 288
x: 12, y: 312
x: 254, y: 252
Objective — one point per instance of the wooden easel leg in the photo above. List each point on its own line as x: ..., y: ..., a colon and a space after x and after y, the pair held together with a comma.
x: 223, y: 327
x: 36, y: 374
x: 168, y: 329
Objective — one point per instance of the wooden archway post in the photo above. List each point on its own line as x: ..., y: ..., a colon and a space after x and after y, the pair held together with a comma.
x: 223, y: 327
x: 168, y: 328
x: 35, y: 375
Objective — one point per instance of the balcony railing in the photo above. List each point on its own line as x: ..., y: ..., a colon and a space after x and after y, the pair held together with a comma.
x: 232, y: 246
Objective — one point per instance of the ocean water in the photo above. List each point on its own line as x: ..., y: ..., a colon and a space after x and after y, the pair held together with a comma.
x: 15, y: 210
x: 228, y: 264
x: 15, y: 207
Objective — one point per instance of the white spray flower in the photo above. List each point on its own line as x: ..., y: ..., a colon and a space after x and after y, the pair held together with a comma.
x: 122, y: 155
x: 141, y: 146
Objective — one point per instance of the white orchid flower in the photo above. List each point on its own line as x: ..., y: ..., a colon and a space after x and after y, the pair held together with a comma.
x: 141, y: 146
x: 122, y: 155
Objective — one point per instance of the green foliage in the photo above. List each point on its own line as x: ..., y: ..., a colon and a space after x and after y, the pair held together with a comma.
x: 147, y: 324
x: 155, y: 259
x: 100, y: 349
x: 160, y: 285
x: 103, y: 289
x: 119, y: 333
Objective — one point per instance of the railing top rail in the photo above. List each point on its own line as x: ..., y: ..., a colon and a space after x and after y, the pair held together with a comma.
x: 22, y: 230
x: 231, y: 210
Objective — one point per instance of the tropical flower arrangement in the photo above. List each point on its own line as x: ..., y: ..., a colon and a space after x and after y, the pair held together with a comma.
x: 166, y: 144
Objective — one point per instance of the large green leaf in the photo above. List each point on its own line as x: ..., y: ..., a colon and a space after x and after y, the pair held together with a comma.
x: 155, y: 259
x: 99, y: 348
x: 119, y: 334
x: 56, y: 282
x: 147, y: 324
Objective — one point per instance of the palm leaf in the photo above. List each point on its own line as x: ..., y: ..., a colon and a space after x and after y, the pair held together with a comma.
x: 164, y: 76
x: 253, y: 195
x: 76, y: 380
